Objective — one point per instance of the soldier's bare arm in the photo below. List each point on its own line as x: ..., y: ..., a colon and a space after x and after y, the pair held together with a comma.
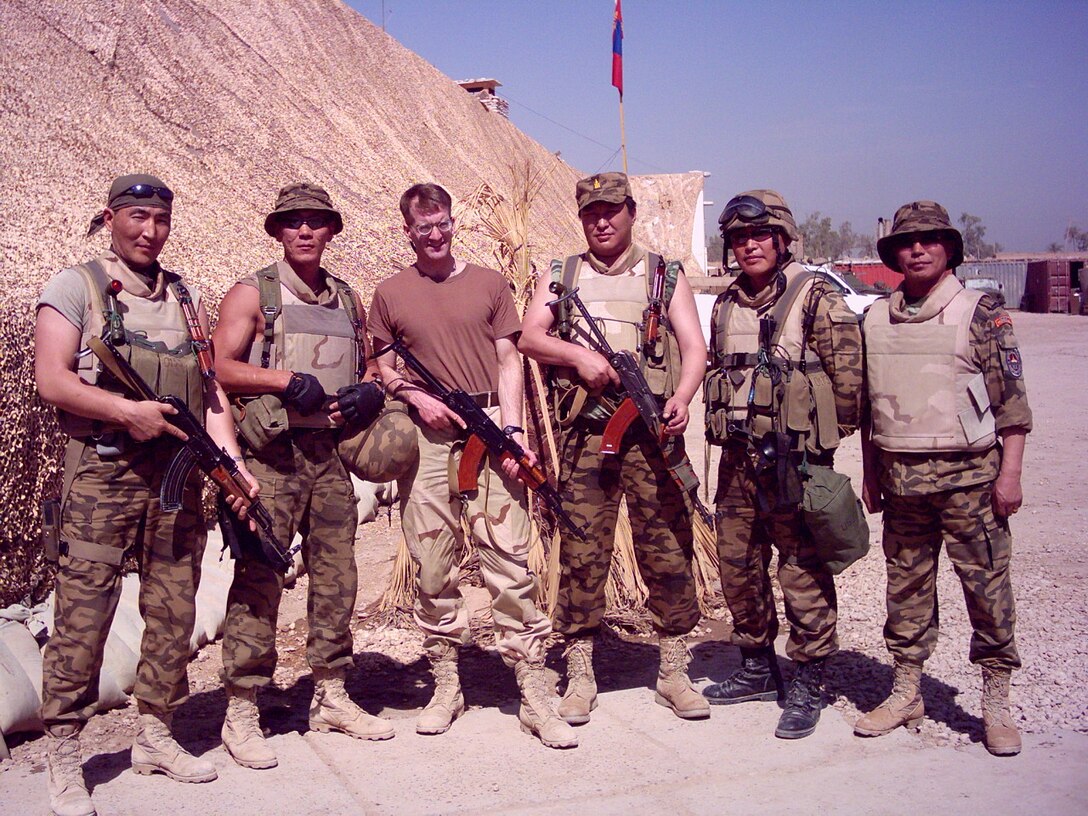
x: 684, y: 319
x: 511, y: 397
x: 56, y: 342
x: 241, y: 324
x: 431, y: 410
x: 536, y: 342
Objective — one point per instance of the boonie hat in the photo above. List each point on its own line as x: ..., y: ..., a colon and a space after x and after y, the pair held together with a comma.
x: 302, y: 196
x: 920, y: 216
x: 611, y: 187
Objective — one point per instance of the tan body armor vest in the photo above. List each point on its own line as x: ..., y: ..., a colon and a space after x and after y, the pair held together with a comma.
x: 785, y: 389
x: 157, y: 339
x: 620, y: 304
x: 927, y: 394
x: 311, y: 338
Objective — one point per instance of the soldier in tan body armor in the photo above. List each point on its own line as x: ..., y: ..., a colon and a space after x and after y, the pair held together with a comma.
x: 943, y: 446
x: 784, y: 386
x: 616, y: 280
x: 114, y: 465
x: 298, y: 369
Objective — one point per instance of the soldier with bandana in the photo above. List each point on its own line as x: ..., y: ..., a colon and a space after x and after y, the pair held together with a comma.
x: 943, y: 449
x: 620, y: 284
x: 784, y: 387
x: 113, y: 470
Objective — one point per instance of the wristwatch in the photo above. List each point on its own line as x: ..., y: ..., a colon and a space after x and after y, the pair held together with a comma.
x: 510, y: 430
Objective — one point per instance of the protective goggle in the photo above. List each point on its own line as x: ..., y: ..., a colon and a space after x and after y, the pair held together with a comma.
x: 746, y: 208
x: 148, y: 191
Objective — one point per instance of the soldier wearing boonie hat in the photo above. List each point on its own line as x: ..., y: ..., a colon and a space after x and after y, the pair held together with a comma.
x: 114, y: 465
x: 943, y: 450
x: 620, y: 281
x: 783, y: 388
x: 291, y: 345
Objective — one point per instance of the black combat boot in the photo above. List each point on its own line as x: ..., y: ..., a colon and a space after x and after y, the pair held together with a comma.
x: 756, y: 679
x: 804, y: 700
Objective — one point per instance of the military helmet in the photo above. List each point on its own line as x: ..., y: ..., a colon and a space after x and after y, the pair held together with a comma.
x: 920, y: 216
x: 758, y: 208
x: 384, y: 450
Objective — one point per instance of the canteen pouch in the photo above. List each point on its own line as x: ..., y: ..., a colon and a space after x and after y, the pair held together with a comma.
x: 260, y: 420
x: 833, y: 514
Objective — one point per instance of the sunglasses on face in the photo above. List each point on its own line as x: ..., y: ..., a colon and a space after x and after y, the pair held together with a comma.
x: 424, y: 230
x: 314, y: 222
x: 149, y: 191
x: 741, y: 237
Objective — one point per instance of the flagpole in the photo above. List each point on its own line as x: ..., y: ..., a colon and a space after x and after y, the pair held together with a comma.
x: 623, y: 137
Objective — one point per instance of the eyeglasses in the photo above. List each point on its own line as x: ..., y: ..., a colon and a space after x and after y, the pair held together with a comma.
x: 148, y: 191
x: 423, y: 230
x: 741, y: 237
x: 314, y: 222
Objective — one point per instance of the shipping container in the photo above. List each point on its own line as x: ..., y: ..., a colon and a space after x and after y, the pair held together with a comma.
x: 1010, y: 277
x: 1048, y: 285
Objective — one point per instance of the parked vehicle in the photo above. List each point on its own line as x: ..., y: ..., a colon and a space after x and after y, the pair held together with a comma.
x: 987, y: 285
x: 858, y: 296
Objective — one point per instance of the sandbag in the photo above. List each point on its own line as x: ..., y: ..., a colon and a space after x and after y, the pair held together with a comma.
x: 834, y: 516
x: 216, y: 575
x: 20, y: 682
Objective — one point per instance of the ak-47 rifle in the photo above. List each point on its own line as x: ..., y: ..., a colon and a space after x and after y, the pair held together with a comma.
x: 483, y: 436
x: 638, y: 401
x: 200, y: 449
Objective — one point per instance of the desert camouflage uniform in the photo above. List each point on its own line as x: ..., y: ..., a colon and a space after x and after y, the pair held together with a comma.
x: 935, y: 497
x: 745, y: 533
x: 112, y: 509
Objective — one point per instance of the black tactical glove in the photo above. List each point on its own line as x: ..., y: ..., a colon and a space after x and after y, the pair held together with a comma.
x: 360, y: 403
x: 304, y: 393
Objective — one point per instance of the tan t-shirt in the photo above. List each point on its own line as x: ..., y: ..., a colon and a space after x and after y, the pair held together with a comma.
x: 451, y: 326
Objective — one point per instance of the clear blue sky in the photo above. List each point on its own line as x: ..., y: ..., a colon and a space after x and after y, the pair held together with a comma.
x: 848, y: 108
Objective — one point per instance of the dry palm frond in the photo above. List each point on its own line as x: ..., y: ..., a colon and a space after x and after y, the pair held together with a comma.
x: 394, y: 607
x: 705, y: 566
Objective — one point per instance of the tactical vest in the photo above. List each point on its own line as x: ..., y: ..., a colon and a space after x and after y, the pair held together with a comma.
x: 927, y: 394
x: 325, y: 340
x: 157, y: 341
x: 774, y: 383
x: 622, y: 305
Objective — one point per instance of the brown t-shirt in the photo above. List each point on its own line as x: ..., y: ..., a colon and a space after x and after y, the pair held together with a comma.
x: 451, y: 326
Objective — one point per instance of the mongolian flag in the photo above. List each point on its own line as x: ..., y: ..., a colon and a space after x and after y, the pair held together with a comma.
x: 617, y: 49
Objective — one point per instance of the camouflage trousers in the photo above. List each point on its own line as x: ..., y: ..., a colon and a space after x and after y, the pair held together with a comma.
x: 308, y: 492
x: 113, y: 506
x: 745, y: 538
x: 498, y: 519
x: 979, y: 546
x: 592, y: 485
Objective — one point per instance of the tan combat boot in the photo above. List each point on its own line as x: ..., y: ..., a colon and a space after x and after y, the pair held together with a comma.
x: 447, y: 703
x: 67, y: 791
x: 1000, y: 736
x: 154, y: 749
x: 674, y: 689
x: 242, y: 735
x: 581, y: 696
x: 333, y: 710
x: 537, y: 713
x: 904, y: 705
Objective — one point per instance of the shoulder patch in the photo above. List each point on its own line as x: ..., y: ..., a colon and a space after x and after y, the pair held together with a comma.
x: 1012, y: 364
x: 1002, y: 319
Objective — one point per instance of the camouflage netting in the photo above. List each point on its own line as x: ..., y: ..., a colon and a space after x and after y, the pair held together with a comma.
x: 226, y: 102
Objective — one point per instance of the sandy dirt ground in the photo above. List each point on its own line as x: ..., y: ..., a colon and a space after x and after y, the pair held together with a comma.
x: 1050, y: 694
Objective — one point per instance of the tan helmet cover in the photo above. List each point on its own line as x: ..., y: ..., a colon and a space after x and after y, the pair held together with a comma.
x: 778, y: 215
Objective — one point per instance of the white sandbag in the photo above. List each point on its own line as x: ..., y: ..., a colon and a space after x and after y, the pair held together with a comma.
x: 366, y: 494
x: 20, y: 681
x: 211, y: 595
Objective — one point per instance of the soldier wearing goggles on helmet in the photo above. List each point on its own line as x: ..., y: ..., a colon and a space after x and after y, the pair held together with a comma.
x: 783, y: 388
x: 943, y: 442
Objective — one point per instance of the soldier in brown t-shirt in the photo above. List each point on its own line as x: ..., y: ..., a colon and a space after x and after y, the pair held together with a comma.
x: 943, y: 446
x: 459, y: 321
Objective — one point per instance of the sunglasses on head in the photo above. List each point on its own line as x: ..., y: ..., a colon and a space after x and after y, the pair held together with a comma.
x: 148, y: 191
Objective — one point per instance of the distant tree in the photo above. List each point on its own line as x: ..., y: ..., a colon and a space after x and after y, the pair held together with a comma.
x: 973, y: 233
x: 1054, y: 246
x: 1077, y: 237
x: 866, y: 246
x: 823, y: 241
x: 715, y: 247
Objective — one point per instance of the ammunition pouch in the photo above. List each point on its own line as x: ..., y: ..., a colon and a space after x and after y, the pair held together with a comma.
x: 260, y: 420
x: 834, y: 517
x: 51, y: 530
